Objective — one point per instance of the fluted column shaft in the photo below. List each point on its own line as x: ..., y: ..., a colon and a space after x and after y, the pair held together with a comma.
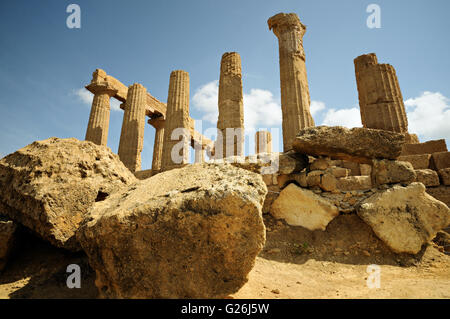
x: 177, y: 117
x: 231, y: 107
x: 380, y: 98
x: 132, y: 134
x: 263, y: 142
x: 159, y: 124
x: 97, y: 130
x: 295, y: 100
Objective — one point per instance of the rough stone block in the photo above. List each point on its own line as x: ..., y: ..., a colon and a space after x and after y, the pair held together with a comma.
x: 428, y: 147
x: 441, y: 193
x: 418, y: 161
x: 444, y: 174
x: 428, y: 177
x: 353, y: 183
x: 440, y: 160
x: 354, y: 169
x: 390, y: 172
x: 365, y: 169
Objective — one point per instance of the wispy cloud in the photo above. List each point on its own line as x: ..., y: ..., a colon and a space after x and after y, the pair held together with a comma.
x: 86, y: 97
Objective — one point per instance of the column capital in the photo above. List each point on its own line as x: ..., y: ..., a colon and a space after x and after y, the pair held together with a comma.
x: 157, y: 122
x: 365, y: 60
x: 101, y: 87
x: 285, y: 22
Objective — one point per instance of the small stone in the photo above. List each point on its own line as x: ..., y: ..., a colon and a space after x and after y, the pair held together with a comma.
x: 276, y: 291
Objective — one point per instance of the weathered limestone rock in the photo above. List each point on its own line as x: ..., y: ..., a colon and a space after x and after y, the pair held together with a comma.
x: 195, y: 235
x: 313, y: 178
x: 231, y: 107
x: 158, y: 124
x: 444, y: 174
x: 359, y: 145
x: 380, y: 98
x: 390, y: 172
x: 320, y: 163
x: 48, y: 186
x: 291, y: 162
x: 418, y: 161
x: 428, y: 177
x: 144, y: 174
x: 132, y: 135
x: 97, y: 130
x: 440, y: 160
x: 405, y: 217
x: 295, y: 98
x: 263, y: 142
x: 7, y: 238
x: 301, y: 207
x: 353, y: 183
x: 428, y: 147
x: 178, y: 119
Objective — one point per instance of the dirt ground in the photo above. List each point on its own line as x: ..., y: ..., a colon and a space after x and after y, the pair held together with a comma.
x: 295, y: 263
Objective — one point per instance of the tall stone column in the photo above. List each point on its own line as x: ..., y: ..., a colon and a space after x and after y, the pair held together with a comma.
x: 97, y: 130
x: 177, y: 118
x: 158, y: 123
x: 263, y: 142
x: 132, y: 135
x: 380, y: 99
x: 231, y: 107
x: 295, y: 98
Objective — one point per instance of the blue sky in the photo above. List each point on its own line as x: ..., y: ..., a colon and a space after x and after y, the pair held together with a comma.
x: 44, y: 65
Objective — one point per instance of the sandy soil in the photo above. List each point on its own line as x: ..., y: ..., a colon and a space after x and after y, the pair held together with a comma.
x: 295, y: 263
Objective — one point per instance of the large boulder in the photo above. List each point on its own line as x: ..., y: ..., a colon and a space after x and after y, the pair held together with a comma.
x: 192, y: 232
x: 301, y: 207
x: 7, y: 239
x: 48, y: 186
x: 358, y: 144
x: 404, y: 217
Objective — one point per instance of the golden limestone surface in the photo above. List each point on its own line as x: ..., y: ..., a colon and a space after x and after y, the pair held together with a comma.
x: 231, y: 107
x: 132, y: 135
x: 263, y: 142
x: 380, y: 98
x: 295, y: 98
x: 177, y: 117
x: 158, y: 124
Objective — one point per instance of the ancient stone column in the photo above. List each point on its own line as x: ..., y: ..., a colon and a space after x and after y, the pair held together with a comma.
x: 380, y: 99
x: 158, y: 123
x: 176, y: 154
x: 263, y: 142
x: 97, y: 130
x: 231, y: 107
x: 199, y: 154
x: 133, y: 125
x: 295, y: 98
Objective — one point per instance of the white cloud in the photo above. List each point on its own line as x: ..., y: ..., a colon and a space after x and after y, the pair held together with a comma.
x: 429, y: 115
x: 205, y: 100
x: 343, y: 117
x: 86, y: 97
x: 261, y: 110
x: 316, y: 107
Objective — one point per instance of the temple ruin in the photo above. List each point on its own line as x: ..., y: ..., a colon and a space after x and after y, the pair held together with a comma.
x: 137, y: 104
x: 295, y: 98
